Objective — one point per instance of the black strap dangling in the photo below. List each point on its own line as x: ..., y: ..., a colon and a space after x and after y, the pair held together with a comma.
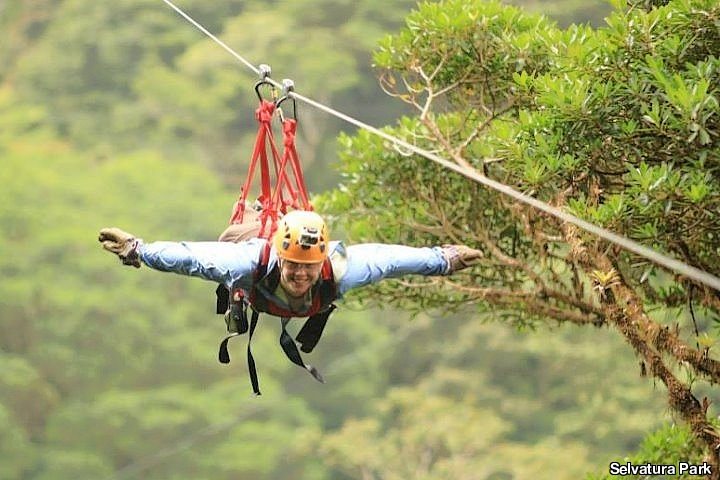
x: 237, y: 324
x: 288, y: 345
x: 222, y: 299
x: 312, y: 330
x: 223, y: 354
x: 251, y: 361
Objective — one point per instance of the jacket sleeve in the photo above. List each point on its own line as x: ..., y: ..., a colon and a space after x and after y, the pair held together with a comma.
x: 231, y: 264
x: 371, y: 262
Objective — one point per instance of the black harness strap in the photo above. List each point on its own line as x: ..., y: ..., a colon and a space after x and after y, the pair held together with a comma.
x: 222, y: 295
x: 288, y: 345
x: 251, y: 361
x: 312, y: 330
x: 237, y: 324
x: 223, y: 354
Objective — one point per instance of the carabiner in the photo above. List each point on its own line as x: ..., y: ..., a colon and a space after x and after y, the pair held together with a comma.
x: 287, y: 87
x: 264, y: 73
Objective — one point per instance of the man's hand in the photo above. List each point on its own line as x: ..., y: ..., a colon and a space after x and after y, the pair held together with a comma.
x: 460, y: 257
x: 121, y: 243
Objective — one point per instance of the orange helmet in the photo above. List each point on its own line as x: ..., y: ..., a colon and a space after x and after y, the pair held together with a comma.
x: 301, y: 237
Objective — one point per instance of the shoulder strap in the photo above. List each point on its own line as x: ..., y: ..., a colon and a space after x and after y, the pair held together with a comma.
x: 328, y: 292
x: 258, y: 301
x: 263, y: 261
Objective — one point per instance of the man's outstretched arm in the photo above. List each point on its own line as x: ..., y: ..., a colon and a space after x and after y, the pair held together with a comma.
x: 231, y: 264
x: 371, y: 262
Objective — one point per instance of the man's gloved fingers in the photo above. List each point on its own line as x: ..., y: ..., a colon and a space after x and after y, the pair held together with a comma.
x: 460, y: 257
x: 115, y: 234
x: 112, y: 246
x: 108, y: 234
x: 122, y: 244
x: 475, y: 255
x: 465, y: 251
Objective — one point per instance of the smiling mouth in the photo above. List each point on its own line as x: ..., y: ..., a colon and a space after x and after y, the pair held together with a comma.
x: 296, y: 289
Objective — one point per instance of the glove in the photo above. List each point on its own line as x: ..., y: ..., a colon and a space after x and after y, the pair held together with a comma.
x: 121, y: 243
x: 460, y: 257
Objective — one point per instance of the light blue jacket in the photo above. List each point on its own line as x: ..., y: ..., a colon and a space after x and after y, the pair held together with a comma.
x: 233, y: 264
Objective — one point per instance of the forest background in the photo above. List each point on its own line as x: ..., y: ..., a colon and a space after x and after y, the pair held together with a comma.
x: 123, y: 114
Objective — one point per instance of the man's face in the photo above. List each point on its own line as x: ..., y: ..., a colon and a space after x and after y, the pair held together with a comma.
x: 297, y: 278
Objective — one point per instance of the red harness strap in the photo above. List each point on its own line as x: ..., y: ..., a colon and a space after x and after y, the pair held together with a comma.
x: 286, y: 194
x: 298, y: 194
x: 263, y: 140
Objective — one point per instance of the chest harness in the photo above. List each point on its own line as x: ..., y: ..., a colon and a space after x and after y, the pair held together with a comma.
x: 266, y: 281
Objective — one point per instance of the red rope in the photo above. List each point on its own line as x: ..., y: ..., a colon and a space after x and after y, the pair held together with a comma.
x: 289, y: 128
x: 264, y: 138
x: 285, y: 194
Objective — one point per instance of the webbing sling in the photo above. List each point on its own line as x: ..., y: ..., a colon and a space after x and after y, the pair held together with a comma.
x: 263, y: 141
x: 285, y: 193
x: 222, y: 299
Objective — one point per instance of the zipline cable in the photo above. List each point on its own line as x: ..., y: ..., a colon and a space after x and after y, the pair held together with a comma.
x: 217, y: 40
x: 624, y: 242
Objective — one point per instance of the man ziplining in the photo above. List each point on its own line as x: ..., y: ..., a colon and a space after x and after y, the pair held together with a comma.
x: 299, y: 272
x: 277, y: 257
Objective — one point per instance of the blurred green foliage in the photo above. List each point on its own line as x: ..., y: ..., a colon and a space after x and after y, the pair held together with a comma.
x: 122, y: 114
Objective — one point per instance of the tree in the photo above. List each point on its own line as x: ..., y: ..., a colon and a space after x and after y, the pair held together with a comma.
x: 618, y: 125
